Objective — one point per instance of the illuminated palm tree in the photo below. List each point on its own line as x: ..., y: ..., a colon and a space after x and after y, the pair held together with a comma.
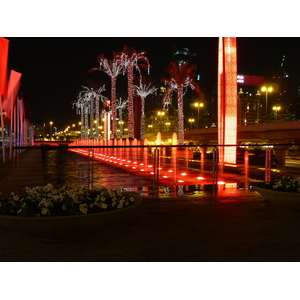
x: 112, y: 68
x: 181, y: 77
x: 120, y: 106
x: 88, y: 106
x: 130, y: 59
x: 143, y: 91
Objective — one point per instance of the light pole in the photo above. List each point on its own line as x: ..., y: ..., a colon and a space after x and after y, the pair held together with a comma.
x: 121, y: 123
x: 267, y: 90
x: 160, y: 115
x: 276, y: 108
x: 198, y: 105
x: 168, y: 124
x: 79, y: 128
x: 191, y: 121
x: 51, y: 123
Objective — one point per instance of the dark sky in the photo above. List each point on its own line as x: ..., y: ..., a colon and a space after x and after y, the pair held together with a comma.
x: 54, y: 69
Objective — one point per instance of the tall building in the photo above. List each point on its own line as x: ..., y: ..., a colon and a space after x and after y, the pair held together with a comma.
x: 283, y: 95
x: 185, y: 55
x: 250, y: 108
x: 40, y: 131
x: 250, y: 102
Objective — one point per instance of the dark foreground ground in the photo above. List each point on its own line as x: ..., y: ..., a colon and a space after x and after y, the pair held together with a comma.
x: 230, y: 226
x: 242, y: 227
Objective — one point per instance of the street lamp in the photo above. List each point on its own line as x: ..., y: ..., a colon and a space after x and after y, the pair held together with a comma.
x: 267, y: 90
x: 150, y: 128
x: 198, y: 105
x: 276, y: 108
x: 168, y: 124
x: 160, y: 114
x: 191, y: 121
x: 121, y: 128
x: 51, y: 123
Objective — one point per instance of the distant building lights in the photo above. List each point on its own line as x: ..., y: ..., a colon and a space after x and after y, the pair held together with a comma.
x: 240, y: 79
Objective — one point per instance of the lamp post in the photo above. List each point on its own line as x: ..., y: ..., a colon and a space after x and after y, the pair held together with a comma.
x: 160, y: 115
x: 168, y: 124
x: 79, y: 128
x: 276, y: 108
x: 51, y: 123
x: 267, y: 90
x: 191, y: 121
x: 121, y: 123
x: 198, y: 105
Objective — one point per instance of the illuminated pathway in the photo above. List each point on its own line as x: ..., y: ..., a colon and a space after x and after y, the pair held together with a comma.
x: 169, y: 169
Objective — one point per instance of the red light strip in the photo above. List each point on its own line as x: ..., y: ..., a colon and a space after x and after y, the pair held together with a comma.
x: 227, y: 99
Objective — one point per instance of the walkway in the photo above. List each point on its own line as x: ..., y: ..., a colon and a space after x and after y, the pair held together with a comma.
x: 234, y: 225
x: 239, y: 226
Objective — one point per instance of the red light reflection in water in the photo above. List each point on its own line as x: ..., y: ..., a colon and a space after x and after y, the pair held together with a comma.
x: 169, y: 171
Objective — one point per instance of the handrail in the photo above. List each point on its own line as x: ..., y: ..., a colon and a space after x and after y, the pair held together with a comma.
x: 152, y: 146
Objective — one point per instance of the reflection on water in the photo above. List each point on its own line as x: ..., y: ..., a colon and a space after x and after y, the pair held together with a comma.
x: 65, y: 168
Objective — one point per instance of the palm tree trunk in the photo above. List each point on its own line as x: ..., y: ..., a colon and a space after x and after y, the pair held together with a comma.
x: 91, y: 118
x: 86, y: 122
x: 142, y: 117
x: 180, y: 115
x: 82, y: 122
x: 113, y: 107
x: 97, y: 118
x: 130, y: 102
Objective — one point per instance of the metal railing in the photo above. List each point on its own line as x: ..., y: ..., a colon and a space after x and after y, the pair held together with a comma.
x: 160, y: 165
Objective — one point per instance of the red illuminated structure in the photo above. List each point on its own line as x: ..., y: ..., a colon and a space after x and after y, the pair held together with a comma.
x: 227, y: 99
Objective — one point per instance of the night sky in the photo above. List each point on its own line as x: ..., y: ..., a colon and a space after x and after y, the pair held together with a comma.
x: 54, y: 69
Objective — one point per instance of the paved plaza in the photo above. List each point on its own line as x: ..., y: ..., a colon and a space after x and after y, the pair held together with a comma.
x: 229, y: 226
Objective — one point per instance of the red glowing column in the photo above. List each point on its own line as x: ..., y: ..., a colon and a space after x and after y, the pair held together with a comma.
x: 227, y: 99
